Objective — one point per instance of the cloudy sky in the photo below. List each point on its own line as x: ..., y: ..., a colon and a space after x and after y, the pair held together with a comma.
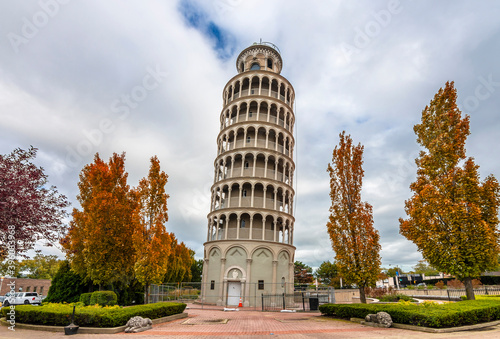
x: 146, y: 78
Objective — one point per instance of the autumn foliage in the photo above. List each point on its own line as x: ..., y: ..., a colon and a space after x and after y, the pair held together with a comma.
x: 350, y: 226
x: 452, y: 215
x: 99, y: 241
x: 120, y: 234
x: 151, y: 241
x: 29, y: 210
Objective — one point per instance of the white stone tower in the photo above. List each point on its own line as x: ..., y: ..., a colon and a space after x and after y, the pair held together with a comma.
x: 249, y: 248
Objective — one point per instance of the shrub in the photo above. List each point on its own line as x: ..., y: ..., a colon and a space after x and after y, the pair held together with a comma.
x: 476, y: 283
x: 396, y: 298
x: 103, y: 298
x: 375, y: 292
x: 439, y: 284
x: 455, y: 283
x: 91, y: 316
x: 85, y: 298
x: 438, y: 316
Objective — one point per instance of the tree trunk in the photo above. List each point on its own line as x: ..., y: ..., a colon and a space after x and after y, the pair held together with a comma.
x: 469, y: 290
x: 146, y: 293
x: 362, y: 296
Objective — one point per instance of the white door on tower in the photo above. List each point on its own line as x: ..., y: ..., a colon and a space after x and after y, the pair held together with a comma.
x: 233, y: 293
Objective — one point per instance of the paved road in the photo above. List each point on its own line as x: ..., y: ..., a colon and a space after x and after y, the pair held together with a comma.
x: 255, y: 324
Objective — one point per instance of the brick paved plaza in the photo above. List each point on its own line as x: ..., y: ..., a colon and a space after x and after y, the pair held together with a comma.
x: 214, y: 323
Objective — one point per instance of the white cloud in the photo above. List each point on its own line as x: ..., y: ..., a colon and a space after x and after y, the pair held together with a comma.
x: 58, y: 90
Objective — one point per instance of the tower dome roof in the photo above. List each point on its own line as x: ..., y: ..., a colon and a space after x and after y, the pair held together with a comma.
x: 260, y: 56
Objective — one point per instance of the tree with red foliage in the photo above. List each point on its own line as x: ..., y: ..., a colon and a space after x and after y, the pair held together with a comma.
x: 29, y: 211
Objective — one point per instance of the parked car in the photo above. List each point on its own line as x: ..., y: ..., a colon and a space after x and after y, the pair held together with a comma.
x: 23, y: 298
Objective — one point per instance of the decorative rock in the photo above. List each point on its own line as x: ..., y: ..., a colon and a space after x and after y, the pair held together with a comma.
x: 138, y: 324
x: 382, y: 318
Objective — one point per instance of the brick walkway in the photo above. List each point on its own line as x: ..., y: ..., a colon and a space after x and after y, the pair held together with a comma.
x: 256, y: 324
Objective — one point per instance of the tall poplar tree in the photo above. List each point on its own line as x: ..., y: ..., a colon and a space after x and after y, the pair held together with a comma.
x: 152, y: 243
x: 99, y: 241
x: 452, y: 215
x: 350, y: 226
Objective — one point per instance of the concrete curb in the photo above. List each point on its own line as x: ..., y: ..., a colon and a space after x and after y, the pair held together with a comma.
x: 430, y: 329
x: 90, y: 330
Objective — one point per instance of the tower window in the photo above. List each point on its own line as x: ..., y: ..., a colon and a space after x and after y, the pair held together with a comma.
x: 242, y: 66
x: 246, y: 163
x: 248, y: 139
x: 255, y: 67
x: 270, y: 63
x: 261, y: 284
x: 250, y: 114
x: 242, y: 223
x: 212, y: 284
x: 244, y: 193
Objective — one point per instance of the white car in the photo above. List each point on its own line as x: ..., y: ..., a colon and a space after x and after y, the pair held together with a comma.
x: 23, y: 298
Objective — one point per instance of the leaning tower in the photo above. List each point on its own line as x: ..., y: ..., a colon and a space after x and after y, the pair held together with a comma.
x: 249, y: 249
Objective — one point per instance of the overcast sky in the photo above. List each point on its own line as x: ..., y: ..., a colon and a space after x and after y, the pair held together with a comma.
x: 146, y: 78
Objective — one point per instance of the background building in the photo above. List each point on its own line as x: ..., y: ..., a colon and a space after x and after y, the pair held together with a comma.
x: 249, y: 248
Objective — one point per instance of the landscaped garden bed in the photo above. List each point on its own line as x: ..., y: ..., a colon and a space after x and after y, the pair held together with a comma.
x: 427, y: 314
x: 91, y: 316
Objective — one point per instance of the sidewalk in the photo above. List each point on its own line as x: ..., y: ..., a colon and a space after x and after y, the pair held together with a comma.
x: 256, y: 324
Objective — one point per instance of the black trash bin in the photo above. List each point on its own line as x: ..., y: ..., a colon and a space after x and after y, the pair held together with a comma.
x: 313, y: 304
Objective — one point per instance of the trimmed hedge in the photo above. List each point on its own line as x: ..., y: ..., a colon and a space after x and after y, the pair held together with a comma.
x: 85, y: 298
x: 103, y: 298
x: 91, y: 316
x: 463, y: 313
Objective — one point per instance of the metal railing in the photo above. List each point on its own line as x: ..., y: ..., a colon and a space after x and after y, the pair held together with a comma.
x: 297, y: 301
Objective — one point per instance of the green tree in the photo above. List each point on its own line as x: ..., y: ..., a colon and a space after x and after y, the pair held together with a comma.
x: 66, y: 285
x: 327, y: 273
x: 14, y: 271
x: 41, y: 266
x: 196, y: 270
x: 424, y: 268
x: 391, y: 272
x: 452, y: 215
x: 302, y: 273
x: 354, y: 239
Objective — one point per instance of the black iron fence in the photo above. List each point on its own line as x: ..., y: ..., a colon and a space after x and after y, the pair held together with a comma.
x: 483, y: 290
x: 297, y: 301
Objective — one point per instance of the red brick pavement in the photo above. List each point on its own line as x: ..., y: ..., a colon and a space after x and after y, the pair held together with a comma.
x: 251, y: 324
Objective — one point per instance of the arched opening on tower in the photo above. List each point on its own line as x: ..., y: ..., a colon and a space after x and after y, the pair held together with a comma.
x: 265, y: 86
x: 254, y: 86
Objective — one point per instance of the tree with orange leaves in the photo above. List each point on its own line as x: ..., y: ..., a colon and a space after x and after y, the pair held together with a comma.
x: 180, y: 261
x: 452, y: 215
x: 99, y: 240
x: 151, y: 242
x: 354, y: 240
